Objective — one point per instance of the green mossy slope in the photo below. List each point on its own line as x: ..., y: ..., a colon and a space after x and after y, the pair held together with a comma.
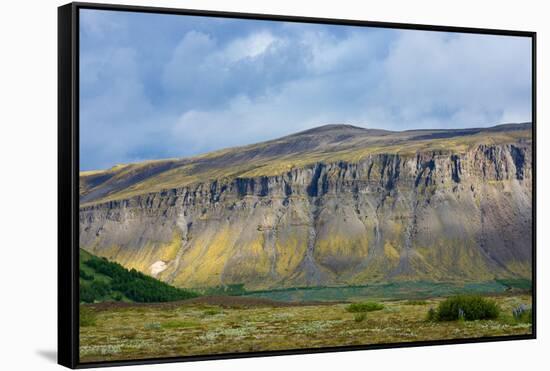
x: 102, y: 280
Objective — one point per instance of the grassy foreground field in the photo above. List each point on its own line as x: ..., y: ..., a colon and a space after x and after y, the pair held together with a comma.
x: 118, y: 331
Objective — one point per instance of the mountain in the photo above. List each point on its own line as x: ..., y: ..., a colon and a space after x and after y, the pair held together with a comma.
x: 334, y: 205
x: 102, y: 280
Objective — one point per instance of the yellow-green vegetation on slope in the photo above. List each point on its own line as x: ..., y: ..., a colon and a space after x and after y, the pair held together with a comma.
x: 137, y: 332
x: 279, y: 156
x: 141, y: 259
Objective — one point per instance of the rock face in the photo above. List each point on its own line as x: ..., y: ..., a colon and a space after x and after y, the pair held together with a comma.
x: 460, y: 214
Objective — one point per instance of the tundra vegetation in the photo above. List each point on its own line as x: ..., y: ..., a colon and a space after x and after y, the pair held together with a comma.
x: 118, y: 331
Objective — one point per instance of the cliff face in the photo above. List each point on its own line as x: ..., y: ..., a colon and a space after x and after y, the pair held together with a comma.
x: 428, y: 215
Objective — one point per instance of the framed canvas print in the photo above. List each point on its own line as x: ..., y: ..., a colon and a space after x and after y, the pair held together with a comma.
x: 237, y: 185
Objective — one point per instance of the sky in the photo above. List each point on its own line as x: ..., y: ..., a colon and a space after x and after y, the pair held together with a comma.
x: 158, y: 86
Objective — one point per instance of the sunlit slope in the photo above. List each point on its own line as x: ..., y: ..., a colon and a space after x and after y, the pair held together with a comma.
x: 336, y: 205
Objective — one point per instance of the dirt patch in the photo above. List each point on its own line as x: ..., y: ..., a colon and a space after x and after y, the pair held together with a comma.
x: 223, y: 301
x: 239, y: 301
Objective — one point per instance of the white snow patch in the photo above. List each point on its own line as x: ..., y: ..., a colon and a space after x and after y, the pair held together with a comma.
x: 158, y: 267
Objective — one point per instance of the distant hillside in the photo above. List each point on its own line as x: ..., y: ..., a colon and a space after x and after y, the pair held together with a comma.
x: 101, y: 280
x: 332, y: 206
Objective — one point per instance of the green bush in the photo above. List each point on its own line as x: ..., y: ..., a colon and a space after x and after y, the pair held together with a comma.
x: 360, y: 317
x: 416, y: 302
x: 131, y: 284
x: 211, y: 312
x: 86, y: 294
x: 85, y: 276
x: 432, y: 315
x: 368, y: 306
x: 466, y: 307
x: 93, y: 291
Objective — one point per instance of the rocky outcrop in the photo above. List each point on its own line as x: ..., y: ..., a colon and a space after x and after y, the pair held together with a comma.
x: 432, y: 215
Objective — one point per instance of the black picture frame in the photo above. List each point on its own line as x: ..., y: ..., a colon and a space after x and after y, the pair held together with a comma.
x: 68, y: 174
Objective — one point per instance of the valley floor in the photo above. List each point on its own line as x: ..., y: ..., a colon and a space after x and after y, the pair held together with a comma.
x: 215, y: 326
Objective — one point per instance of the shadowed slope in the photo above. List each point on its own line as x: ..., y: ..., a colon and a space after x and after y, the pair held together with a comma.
x: 325, y: 143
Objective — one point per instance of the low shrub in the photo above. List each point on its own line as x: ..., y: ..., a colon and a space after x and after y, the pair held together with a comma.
x: 368, y: 306
x: 211, y: 312
x: 93, y: 291
x: 466, y: 307
x: 86, y: 293
x: 360, y: 317
x: 432, y: 315
x: 416, y: 302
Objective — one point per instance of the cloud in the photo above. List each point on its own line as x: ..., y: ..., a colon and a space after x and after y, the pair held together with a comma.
x: 102, y: 25
x: 250, y: 46
x: 459, y: 81
x: 204, y: 73
x: 190, y: 57
x: 209, y: 84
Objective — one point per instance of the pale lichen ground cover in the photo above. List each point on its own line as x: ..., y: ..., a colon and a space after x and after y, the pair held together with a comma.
x: 157, y: 331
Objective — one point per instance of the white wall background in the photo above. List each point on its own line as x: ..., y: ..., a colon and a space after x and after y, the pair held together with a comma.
x: 28, y: 153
